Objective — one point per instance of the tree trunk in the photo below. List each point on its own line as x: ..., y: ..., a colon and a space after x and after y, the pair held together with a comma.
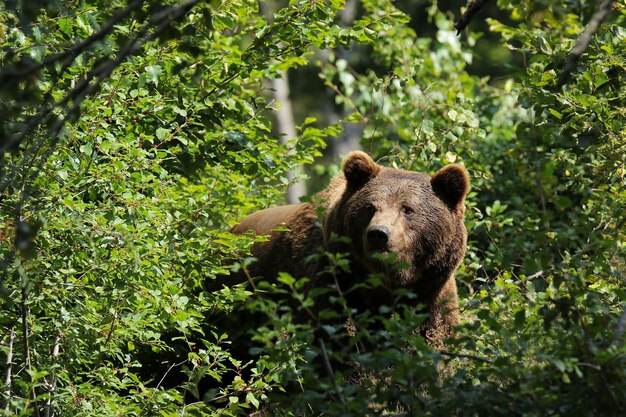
x: 287, y: 130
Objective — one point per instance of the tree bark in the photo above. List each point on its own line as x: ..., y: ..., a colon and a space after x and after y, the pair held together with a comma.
x: 287, y: 129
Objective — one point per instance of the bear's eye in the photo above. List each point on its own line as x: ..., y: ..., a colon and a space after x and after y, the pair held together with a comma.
x: 407, y: 210
x: 370, y: 208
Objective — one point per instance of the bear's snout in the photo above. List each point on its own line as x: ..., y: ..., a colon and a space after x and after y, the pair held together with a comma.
x: 378, y: 237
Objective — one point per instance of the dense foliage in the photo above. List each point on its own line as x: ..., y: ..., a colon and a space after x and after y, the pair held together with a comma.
x: 134, y: 134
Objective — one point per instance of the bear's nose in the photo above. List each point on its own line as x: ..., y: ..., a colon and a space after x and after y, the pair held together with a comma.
x: 378, y: 236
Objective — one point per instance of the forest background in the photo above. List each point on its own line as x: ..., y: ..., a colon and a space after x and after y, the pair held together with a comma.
x: 133, y: 134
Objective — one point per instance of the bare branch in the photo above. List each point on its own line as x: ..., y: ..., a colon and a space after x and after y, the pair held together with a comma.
x: 535, y: 275
x: 465, y: 356
x: 9, y: 365
x: 592, y: 27
x: 472, y: 8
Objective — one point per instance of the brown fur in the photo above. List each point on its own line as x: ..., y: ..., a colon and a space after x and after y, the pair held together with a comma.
x: 422, y: 217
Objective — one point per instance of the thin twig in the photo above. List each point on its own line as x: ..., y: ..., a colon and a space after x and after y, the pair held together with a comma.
x: 465, y: 356
x: 172, y: 366
x: 53, y: 382
x: 9, y: 364
x: 25, y: 344
x: 160, y: 382
x: 249, y: 277
x: 329, y: 370
x: 598, y: 17
x: 472, y: 8
x: 111, y: 330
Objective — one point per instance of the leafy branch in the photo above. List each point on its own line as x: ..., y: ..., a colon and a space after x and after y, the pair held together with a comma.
x: 14, y: 75
x: 604, y: 9
x: 87, y: 86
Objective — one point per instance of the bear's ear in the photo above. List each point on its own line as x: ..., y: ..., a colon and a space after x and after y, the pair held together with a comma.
x: 359, y: 168
x: 451, y: 184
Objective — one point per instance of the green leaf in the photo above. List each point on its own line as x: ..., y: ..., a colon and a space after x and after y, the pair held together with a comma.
x: 162, y: 133
x: 252, y: 400
x: 65, y: 25
x: 428, y: 127
x: 286, y: 279
x: 354, y: 117
x: 560, y: 365
x: 555, y: 113
x: 86, y: 148
x: 152, y: 74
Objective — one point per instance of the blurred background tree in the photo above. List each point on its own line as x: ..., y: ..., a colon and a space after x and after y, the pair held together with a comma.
x: 134, y: 133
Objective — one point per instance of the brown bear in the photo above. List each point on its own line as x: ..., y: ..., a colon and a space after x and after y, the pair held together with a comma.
x: 417, y: 217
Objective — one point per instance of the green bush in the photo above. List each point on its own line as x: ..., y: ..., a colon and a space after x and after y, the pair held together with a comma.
x: 134, y: 135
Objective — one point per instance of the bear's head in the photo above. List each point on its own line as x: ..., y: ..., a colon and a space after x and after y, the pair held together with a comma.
x: 407, y: 225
